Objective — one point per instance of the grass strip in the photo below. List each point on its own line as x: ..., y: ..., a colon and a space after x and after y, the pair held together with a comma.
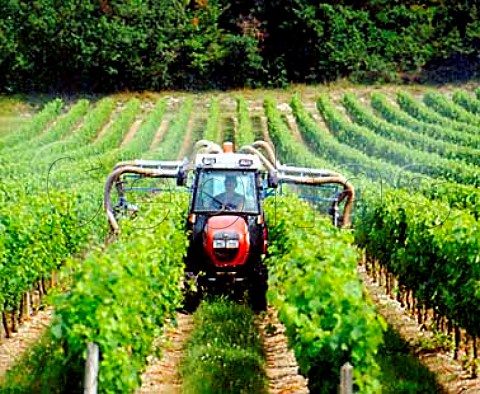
x: 224, y: 353
x: 42, y: 370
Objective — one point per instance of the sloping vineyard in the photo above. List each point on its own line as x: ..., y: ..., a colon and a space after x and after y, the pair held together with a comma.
x: 414, y: 162
x: 431, y: 248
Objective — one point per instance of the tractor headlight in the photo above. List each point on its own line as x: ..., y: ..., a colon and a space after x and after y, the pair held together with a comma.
x: 219, y: 243
x: 232, y: 244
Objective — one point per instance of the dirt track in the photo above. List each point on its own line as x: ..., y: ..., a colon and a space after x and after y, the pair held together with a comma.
x: 161, y: 375
x: 282, y: 367
x: 11, y: 349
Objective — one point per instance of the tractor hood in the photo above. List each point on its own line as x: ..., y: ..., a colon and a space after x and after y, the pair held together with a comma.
x: 226, y: 240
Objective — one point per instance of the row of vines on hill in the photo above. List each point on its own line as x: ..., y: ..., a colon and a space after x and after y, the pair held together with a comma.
x: 314, y: 285
x: 431, y: 247
x: 52, y: 188
x: 45, y: 229
x: 122, y: 295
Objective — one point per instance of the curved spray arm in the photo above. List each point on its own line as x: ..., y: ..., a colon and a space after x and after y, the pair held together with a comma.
x: 113, y: 180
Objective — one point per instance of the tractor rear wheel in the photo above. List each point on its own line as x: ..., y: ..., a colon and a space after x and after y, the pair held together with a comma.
x: 258, y: 286
x: 192, y: 295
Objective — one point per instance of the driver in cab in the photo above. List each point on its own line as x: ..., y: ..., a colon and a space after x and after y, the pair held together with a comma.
x: 230, y: 199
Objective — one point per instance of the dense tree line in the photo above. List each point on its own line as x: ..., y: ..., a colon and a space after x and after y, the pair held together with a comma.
x: 99, y: 45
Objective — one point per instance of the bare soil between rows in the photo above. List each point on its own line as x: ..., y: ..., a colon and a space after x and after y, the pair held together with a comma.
x: 12, y: 349
x: 162, y: 373
x: 281, y: 365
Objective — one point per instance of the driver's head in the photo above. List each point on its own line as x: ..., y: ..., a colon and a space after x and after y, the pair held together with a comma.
x: 230, y: 182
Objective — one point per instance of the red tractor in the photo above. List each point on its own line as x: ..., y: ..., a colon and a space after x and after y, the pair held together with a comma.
x: 226, y: 223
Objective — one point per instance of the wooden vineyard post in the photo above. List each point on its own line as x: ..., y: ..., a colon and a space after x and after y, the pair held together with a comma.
x: 91, y: 369
x: 475, y: 356
x: 28, y: 303
x: 346, y: 379
x: 374, y: 272
x: 5, y: 324
x: 3, y: 330
x: 458, y: 339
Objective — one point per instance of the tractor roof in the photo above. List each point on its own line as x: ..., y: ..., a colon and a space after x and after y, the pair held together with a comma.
x: 230, y: 161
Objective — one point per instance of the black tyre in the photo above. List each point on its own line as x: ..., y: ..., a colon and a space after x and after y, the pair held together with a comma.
x: 192, y: 296
x: 257, y: 292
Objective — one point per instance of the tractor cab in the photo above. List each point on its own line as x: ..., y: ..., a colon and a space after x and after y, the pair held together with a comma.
x: 219, y: 190
x: 231, y: 182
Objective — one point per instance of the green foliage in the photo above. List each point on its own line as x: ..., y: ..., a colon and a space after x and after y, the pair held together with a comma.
x: 444, y: 107
x: 245, y: 135
x: 415, y: 108
x: 467, y: 101
x: 362, y: 116
x: 35, y: 127
x: 319, y: 297
x: 145, y: 133
x: 36, y: 238
x: 224, y: 353
x: 122, y: 296
x: 431, y: 248
x: 172, y: 140
x: 114, y: 134
x: 41, y: 228
x: 212, y: 128
x: 429, y: 245
x: 395, y: 115
x: 415, y: 237
x: 365, y: 140
x: 367, y: 41
x: 119, y: 44
x: 113, y: 44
